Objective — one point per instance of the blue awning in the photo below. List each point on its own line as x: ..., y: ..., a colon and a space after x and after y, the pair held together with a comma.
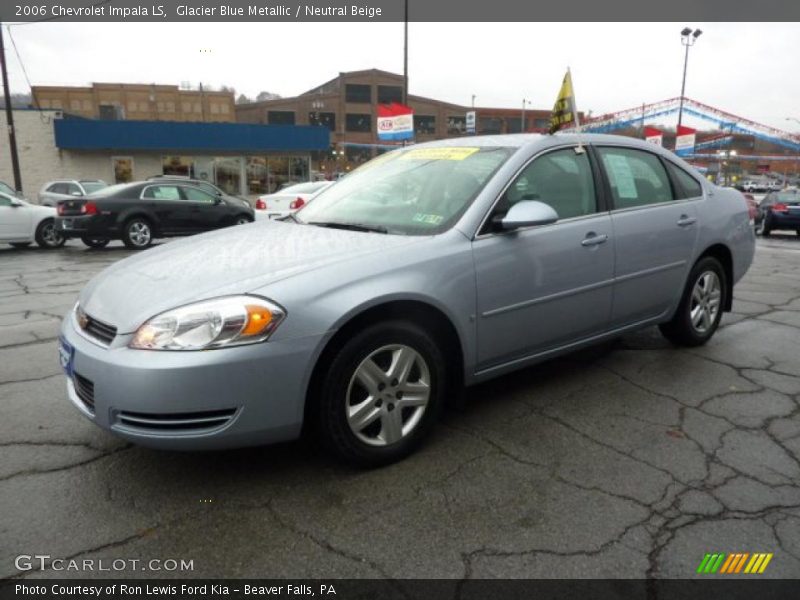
x: 90, y: 134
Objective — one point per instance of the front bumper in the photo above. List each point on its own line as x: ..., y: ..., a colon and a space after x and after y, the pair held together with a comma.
x: 192, y: 400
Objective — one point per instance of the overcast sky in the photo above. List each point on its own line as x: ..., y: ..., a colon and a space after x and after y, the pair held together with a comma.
x: 748, y: 69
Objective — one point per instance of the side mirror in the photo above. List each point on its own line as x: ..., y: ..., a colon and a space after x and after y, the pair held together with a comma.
x: 218, y: 200
x: 528, y: 213
x: 15, y: 202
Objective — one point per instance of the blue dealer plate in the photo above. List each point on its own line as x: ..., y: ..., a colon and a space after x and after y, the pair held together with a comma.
x: 66, y: 355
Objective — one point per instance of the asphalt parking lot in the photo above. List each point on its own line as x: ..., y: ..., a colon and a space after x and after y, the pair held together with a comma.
x: 628, y: 460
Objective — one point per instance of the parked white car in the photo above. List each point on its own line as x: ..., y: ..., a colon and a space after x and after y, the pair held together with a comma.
x: 22, y: 223
x: 288, y: 200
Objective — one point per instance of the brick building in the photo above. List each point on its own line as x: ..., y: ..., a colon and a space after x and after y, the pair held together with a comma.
x: 134, y: 101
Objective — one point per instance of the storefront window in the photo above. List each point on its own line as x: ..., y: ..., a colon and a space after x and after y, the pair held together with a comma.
x: 257, y: 175
x: 176, y: 165
x: 456, y: 125
x: 278, y: 172
x: 298, y: 169
x: 228, y: 173
x: 425, y: 124
x: 123, y: 169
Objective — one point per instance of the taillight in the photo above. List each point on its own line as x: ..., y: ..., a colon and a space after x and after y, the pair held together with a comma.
x: 60, y: 209
x: 780, y: 207
x: 297, y: 203
x: 90, y: 208
x: 261, y: 205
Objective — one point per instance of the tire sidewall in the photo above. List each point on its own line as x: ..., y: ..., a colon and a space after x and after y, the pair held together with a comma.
x: 126, y: 239
x: 331, y: 418
x: 702, y: 266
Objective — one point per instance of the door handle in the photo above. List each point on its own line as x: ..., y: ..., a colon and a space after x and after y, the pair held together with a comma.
x: 592, y: 239
x: 686, y: 220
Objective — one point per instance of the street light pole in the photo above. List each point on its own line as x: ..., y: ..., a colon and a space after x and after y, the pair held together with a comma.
x: 522, y: 123
x: 688, y: 38
x: 12, y: 136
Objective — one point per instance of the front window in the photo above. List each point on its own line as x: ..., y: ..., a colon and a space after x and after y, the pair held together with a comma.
x: 415, y: 191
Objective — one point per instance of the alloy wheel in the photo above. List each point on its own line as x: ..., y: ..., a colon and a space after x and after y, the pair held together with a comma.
x: 387, y: 395
x: 705, y: 303
x: 50, y: 236
x: 139, y: 233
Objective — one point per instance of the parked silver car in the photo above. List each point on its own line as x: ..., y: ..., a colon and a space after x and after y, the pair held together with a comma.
x: 65, y: 189
x: 434, y: 266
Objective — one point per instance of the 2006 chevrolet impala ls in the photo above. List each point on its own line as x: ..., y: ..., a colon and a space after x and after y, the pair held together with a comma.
x: 428, y: 268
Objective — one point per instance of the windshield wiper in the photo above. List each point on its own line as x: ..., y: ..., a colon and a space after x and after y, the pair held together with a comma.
x: 350, y: 226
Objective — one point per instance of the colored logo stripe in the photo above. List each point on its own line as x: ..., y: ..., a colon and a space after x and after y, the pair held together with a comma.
x: 735, y: 563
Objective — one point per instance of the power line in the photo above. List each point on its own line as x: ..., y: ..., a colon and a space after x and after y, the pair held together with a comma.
x: 45, y: 119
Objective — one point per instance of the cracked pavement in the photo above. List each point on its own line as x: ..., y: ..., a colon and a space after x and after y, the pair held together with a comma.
x: 631, y: 459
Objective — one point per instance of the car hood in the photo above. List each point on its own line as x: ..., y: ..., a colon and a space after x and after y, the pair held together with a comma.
x: 236, y: 260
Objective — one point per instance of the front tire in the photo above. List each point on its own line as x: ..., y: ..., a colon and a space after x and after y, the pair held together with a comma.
x: 762, y: 228
x: 47, y: 237
x: 381, y: 394
x: 95, y: 242
x: 701, y: 306
x: 137, y: 233
x: 242, y: 220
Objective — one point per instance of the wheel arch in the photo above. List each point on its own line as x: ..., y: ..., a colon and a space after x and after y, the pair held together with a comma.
x: 420, y: 312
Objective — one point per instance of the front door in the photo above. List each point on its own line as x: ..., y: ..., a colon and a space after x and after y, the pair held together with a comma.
x: 543, y: 287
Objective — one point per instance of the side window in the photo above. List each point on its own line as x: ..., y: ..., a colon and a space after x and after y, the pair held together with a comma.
x: 563, y: 179
x: 197, y: 195
x: 5, y: 200
x: 689, y: 186
x: 73, y: 188
x: 162, y: 192
x: 58, y: 188
x: 637, y: 178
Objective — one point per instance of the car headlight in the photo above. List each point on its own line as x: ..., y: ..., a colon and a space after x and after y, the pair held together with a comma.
x: 217, y: 323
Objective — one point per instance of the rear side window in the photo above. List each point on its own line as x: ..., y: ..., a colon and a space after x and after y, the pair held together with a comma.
x: 689, y: 187
x: 58, y: 188
x: 72, y: 188
x: 162, y: 192
x: 637, y: 178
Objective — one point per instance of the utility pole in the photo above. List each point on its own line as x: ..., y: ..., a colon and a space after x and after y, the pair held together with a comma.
x: 12, y: 136
x: 405, y: 55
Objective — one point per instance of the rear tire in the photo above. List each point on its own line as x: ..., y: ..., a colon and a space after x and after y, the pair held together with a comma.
x: 20, y: 245
x: 137, y: 234
x: 370, y: 411
x: 47, y: 237
x: 95, y: 242
x: 701, y: 306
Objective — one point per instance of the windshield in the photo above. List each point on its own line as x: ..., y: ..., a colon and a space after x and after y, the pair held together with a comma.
x: 414, y: 191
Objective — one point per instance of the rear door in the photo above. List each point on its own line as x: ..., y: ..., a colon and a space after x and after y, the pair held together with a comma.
x: 655, y: 227
x: 166, y: 203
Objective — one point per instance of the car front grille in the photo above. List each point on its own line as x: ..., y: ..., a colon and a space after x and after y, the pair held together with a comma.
x: 84, y: 388
x: 194, y: 422
x: 99, y: 330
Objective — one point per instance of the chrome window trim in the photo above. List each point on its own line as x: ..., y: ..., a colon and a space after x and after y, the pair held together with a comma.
x: 479, y: 236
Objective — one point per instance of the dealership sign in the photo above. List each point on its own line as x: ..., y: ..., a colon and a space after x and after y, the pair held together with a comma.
x: 395, y: 122
x: 470, y: 121
x: 654, y: 136
x: 684, y: 141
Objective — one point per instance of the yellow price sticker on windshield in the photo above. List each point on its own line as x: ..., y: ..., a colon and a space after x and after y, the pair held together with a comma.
x: 456, y: 153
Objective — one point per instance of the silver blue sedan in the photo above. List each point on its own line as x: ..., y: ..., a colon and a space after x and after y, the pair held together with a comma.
x: 431, y: 267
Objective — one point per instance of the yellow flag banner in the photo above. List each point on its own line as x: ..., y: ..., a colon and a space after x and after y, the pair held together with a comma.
x: 563, y: 114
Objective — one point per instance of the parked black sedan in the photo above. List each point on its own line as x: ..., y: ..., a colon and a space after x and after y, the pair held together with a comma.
x: 138, y: 213
x: 778, y: 210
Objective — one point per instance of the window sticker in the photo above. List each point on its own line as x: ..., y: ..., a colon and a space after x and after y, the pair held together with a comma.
x: 439, y: 154
x: 427, y: 219
x: 622, y: 176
